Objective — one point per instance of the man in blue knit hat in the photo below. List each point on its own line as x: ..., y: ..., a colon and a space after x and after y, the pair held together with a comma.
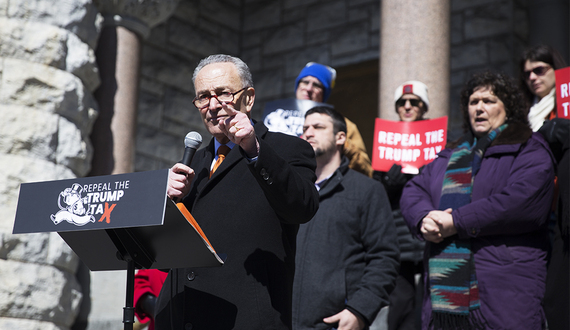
x: 315, y: 82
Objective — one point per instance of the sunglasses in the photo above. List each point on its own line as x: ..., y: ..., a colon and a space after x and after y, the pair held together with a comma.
x: 413, y: 102
x: 539, y: 71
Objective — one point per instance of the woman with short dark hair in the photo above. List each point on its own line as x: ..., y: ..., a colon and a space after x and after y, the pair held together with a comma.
x: 538, y: 82
x: 482, y: 206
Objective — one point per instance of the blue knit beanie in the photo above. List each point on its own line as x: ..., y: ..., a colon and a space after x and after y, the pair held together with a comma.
x: 325, y: 74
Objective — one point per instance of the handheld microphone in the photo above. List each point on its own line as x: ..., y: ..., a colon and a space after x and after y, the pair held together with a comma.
x: 192, y: 142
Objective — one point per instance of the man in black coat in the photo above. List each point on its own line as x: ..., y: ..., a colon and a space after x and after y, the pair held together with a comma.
x: 347, y: 255
x: 249, y: 208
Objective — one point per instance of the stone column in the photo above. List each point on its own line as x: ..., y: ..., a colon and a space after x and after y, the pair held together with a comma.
x: 47, y: 76
x: 125, y: 24
x: 414, y: 45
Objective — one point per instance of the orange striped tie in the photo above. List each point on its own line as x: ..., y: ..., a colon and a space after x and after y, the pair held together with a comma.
x: 222, y: 152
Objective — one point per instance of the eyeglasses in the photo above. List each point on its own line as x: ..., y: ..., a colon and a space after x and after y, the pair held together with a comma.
x: 204, y: 100
x: 539, y: 71
x: 314, y: 84
x: 413, y: 102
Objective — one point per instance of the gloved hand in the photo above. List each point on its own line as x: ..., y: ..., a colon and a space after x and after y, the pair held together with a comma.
x: 394, y: 177
x: 147, y: 304
x: 556, y: 130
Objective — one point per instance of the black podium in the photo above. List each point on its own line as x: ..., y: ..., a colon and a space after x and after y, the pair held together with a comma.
x: 116, y: 222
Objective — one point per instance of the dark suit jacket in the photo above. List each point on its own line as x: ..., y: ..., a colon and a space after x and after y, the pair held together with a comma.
x: 251, y: 212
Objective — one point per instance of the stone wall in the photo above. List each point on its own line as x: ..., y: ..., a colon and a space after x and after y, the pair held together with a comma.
x: 485, y: 34
x: 47, y: 76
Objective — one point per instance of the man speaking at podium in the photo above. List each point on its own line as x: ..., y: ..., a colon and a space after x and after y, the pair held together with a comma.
x: 249, y: 208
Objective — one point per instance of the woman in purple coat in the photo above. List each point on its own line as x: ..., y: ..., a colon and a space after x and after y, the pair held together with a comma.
x: 482, y: 206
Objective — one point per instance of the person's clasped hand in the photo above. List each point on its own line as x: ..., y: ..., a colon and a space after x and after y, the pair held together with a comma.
x: 438, y: 225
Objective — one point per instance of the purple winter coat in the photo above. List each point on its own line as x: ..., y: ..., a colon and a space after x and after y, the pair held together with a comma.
x: 506, y: 221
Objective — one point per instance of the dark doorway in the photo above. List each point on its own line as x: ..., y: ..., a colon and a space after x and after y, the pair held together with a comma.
x: 355, y: 95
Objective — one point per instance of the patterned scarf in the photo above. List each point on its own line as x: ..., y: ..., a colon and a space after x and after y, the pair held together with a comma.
x: 452, y: 279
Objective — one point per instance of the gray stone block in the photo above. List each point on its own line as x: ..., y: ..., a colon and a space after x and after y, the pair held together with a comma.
x: 261, y: 16
x: 269, y: 83
x: 374, y: 40
x: 221, y: 13
x: 146, y: 163
x: 374, y: 10
x: 349, y: 40
x: 288, y: 4
x: 357, y: 57
x: 467, y: 55
x: 161, y: 145
x: 49, y: 45
x: 487, y: 21
x: 296, y: 61
x: 151, y: 86
x: 458, y: 78
x: 362, y: 2
x: 317, y: 38
x: 457, y: 5
x: 500, y: 50
x: 229, y: 42
x: 521, y: 23
x: 293, y: 15
x: 456, y: 29
x: 283, y: 39
x: 48, y: 89
x: 150, y: 110
x: 274, y: 63
x: 44, y: 293
x: 252, y: 57
x: 158, y: 36
x: 251, y: 39
x: 189, y: 37
x: 178, y: 106
x: 327, y: 15
x: 22, y: 324
x: 4, y: 8
x: 358, y: 14
x: 80, y: 16
x: 187, y: 11
x: 167, y: 69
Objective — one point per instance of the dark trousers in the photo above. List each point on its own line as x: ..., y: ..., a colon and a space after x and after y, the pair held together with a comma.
x: 406, y: 299
x: 557, y: 297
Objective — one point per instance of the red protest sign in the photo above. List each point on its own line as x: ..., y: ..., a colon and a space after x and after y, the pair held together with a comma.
x: 410, y: 144
x: 563, y: 92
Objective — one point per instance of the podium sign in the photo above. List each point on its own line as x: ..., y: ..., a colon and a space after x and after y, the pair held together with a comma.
x: 101, y: 202
x: 104, y: 217
x: 117, y: 222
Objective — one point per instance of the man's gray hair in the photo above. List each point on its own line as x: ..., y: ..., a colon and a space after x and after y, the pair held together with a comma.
x: 242, y: 68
